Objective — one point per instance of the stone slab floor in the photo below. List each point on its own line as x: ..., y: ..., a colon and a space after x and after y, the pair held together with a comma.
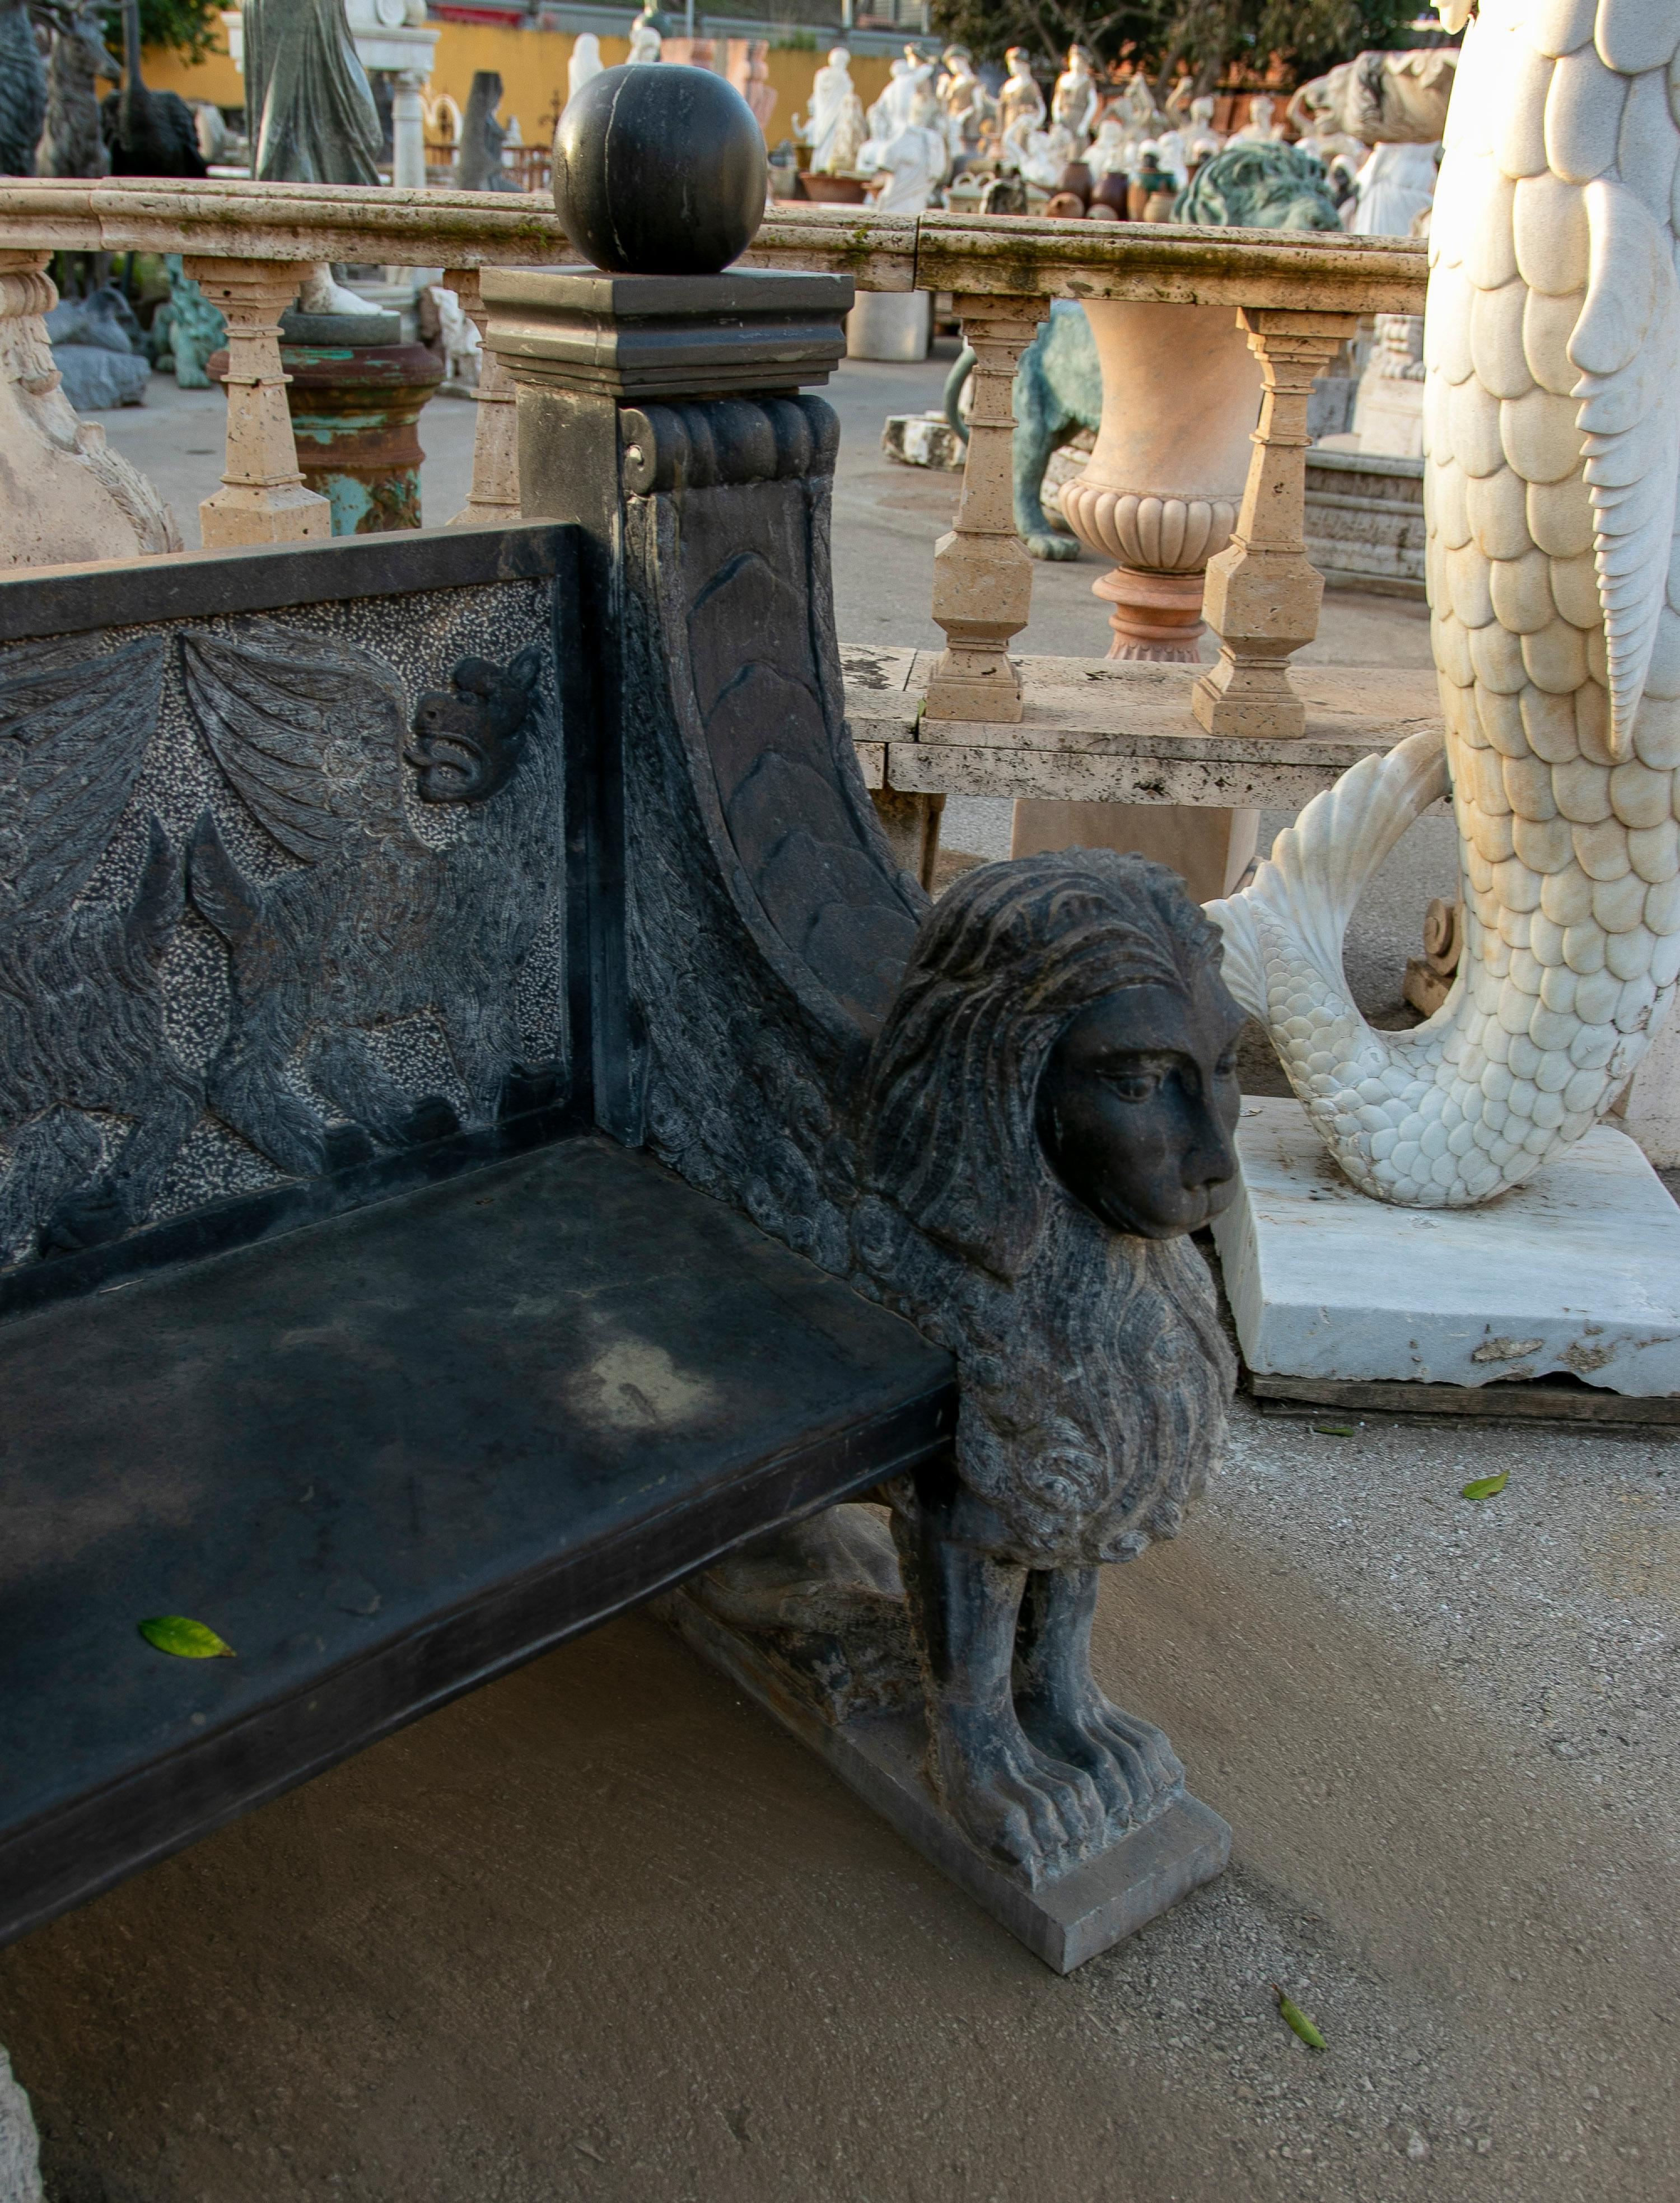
x: 602, y: 1931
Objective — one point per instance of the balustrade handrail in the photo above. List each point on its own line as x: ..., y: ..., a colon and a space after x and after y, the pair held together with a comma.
x: 973, y: 255
x: 1298, y: 294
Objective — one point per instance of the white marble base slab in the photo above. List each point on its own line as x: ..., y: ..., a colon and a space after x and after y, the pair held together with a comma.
x: 1578, y: 1270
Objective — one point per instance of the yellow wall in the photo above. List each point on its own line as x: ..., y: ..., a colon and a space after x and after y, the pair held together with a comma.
x: 533, y: 68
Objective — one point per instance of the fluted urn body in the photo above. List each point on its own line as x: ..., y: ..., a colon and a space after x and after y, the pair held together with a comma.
x: 1180, y: 395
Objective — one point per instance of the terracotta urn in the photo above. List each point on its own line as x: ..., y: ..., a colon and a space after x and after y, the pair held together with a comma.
x: 1180, y: 396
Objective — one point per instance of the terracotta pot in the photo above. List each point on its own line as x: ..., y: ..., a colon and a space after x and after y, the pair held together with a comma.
x: 1097, y: 212
x: 1065, y: 206
x: 1110, y: 191
x: 833, y: 191
x: 1076, y: 178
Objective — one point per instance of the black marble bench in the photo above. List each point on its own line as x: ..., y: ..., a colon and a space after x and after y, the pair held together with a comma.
x: 388, y: 1457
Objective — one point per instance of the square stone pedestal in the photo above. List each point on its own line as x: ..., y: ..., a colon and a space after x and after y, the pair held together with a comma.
x: 1578, y: 1270
x: 1063, y: 1921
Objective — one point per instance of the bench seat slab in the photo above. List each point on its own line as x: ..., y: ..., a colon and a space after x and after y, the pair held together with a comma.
x: 386, y: 1458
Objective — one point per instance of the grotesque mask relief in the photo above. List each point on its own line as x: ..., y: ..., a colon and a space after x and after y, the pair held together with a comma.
x: 1049, y: 1111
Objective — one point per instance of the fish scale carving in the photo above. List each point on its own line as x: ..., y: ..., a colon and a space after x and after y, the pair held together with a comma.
x: 1551, y: 441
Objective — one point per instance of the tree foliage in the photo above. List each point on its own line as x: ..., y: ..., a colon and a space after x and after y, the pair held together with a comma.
x: 1208, y: 38
x: 188, y: 25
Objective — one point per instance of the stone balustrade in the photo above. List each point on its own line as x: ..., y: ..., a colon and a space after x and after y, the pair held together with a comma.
x: 1297, y: 295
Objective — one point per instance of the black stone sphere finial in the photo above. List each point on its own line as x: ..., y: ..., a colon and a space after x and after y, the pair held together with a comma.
x: 659, y: 170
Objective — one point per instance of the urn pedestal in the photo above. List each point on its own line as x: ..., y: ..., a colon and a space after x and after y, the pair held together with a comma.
x: 1181, y: 395
x: 355, y: 395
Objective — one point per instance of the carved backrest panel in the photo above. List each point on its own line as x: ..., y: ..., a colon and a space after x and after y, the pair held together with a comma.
x: 283, y: 901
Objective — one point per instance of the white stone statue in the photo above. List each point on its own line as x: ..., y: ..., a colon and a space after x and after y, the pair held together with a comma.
x: 1552, y: 434
x: 463, y: 350
x: 1203, y: 141
x: 1379, y: 98
x: 964, y: 99
x: 1075, y: 101
x: 1173, y: 157
x: 1108, y: 149
x: 1259, y: 129
x: 888, y: 112
x: 69, y: 498
x: 829, y: 88
x: 1394, y: 184
x: 1044, y: 155
x: 1020, y: 100
x: 914, y: 161
x: 584, y: 63
x: 645, y: 42
x: 1137, y: 109
x: 846, y: 140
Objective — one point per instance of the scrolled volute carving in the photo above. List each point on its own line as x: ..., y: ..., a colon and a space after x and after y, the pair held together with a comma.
x: 729, y: 440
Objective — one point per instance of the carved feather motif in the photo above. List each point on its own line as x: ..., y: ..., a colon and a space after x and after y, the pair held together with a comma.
x: 375, y: 925
x: 74, y: 729
x: 309, y: 730
x: 82, y: 1036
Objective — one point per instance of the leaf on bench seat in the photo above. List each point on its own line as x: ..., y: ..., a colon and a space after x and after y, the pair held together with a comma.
x: 186, y: 1638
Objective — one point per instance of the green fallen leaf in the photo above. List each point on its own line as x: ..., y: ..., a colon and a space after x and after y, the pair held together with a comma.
x: 1336, y: 1430
x: 187, y: 1640
x: 1484, y: 1487
x: 1298, y: 2019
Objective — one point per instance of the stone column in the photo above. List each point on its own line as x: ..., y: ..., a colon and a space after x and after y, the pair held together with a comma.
x: 262, y: 498
x: 982, y: 575
x: 495, y: 457
x: 408, y: 132
x: 1263, y: 593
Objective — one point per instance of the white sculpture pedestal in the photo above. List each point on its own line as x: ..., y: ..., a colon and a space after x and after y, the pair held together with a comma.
x: 1577, y: 1270
x: 890, y: 325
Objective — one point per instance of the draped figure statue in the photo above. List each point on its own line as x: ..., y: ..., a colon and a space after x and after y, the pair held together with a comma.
x: 310, y: 110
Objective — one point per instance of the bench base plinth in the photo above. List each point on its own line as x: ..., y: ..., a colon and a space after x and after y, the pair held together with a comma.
x: 880, y: 1755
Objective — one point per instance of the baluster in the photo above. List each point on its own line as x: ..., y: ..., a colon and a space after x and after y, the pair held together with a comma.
x: 1263, y: 591
x: 262, y: 498
x: 982, y: 575
x: 495, y: 451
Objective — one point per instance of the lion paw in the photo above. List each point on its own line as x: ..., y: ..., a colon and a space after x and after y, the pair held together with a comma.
x: 1051, y: 546
x: 1129, y: 1760
x: 1011, y: 1800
